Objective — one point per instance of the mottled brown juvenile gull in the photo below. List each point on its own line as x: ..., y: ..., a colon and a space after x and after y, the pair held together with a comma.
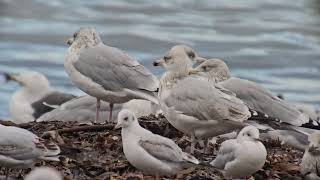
x: 83, y: 109
x: 243, y: 156
x: 43, y: 173
x: 27, y: 103
x: 254, y: 95
x: 20, y: 148
x: 151, y: 153
x: 106, y: 72
x: 194, y: 106
x: 311, y: 158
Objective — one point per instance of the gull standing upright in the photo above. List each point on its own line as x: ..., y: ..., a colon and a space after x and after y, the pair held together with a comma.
x: 254, y: 95
x: 150, y: 152
x: 20, y: 148
x: 106, y: 72
x: 241, y: 157
x: 194, y: 106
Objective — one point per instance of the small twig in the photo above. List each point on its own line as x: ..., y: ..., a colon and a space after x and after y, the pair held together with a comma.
x: 22, y: 125
x: 94, y: 128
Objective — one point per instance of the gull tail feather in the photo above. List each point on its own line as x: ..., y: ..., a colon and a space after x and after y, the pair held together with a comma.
x: 144, y: 94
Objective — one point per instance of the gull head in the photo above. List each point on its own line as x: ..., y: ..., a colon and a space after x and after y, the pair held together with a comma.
x: 249, y: 133
x: 125, y: 119
x: 213, y: 69
x: 179, y: 57
x: 86, y: 37
x: 314, y: 146
x: 30, y: 79
x: 44, y: 173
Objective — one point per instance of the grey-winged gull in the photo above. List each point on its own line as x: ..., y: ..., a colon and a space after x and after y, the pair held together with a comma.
x: 194, y: 106
x: 151, y: 153
x: 26, y: 104
x: 243, y: 156
x: 311, y: 159
x: 254, y: 95
x: 83, y: 109
x: 106, y: 72
x: 20, y: 148
x: 42, y: 173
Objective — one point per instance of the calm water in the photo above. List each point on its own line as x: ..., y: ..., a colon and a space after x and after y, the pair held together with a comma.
x: 273, y: 42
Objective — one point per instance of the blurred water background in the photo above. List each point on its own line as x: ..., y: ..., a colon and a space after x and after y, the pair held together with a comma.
x: 273, y: 42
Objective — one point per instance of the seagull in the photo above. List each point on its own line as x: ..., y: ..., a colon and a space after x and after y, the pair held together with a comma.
x: 311, y: 158
x: 27, y: 103
x: 106, y: 72
x: 254, y: 95
x: 243, y: 156
x: 292, y: 138
x: 42, y: 173
x: 20, y: 148
x: 194, y: 106
x: 82, y: 109
x: 151, y: 153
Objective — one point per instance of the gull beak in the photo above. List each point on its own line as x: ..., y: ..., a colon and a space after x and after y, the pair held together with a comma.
x: 10, y: 77
x: 199, y: 59
x: 118, y: 125
x: 257, y: 139
x: 69, y: 41
x: 157, y: 62
x: 192, y: 71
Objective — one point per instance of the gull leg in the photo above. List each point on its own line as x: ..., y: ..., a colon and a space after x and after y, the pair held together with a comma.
x: 110, y: 114
x: 157, y: 177
x: 193, y: 142
x: 97, y: 110
x: 206, y: 146
x: 7, y: 173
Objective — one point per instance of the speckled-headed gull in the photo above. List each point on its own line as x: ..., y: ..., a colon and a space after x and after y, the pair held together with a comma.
x: 27, y: 103
x: 194, y: 106
x: 83, y: 109
x: 106, y: 72
x: 20, y: 148
x: 43, y: 173
x: 254, y: 95
x: 151, y: 153
x: 311, y: 158
x: 243, y: 156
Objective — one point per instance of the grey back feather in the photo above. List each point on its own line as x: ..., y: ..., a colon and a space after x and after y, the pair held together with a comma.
x: 199, y: 99
x: 114, y: 70
x: 261, y: 99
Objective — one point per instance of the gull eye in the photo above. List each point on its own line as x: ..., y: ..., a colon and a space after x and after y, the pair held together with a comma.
x: 249, y: 134
x: 166, y: 58
x: 191, y: 54
x: 126, y: 118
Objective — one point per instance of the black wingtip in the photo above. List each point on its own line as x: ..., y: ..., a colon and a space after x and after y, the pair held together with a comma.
x: 312, y: 124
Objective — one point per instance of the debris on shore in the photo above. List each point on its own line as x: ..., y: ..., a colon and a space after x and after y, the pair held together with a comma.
x: 95, y: 152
